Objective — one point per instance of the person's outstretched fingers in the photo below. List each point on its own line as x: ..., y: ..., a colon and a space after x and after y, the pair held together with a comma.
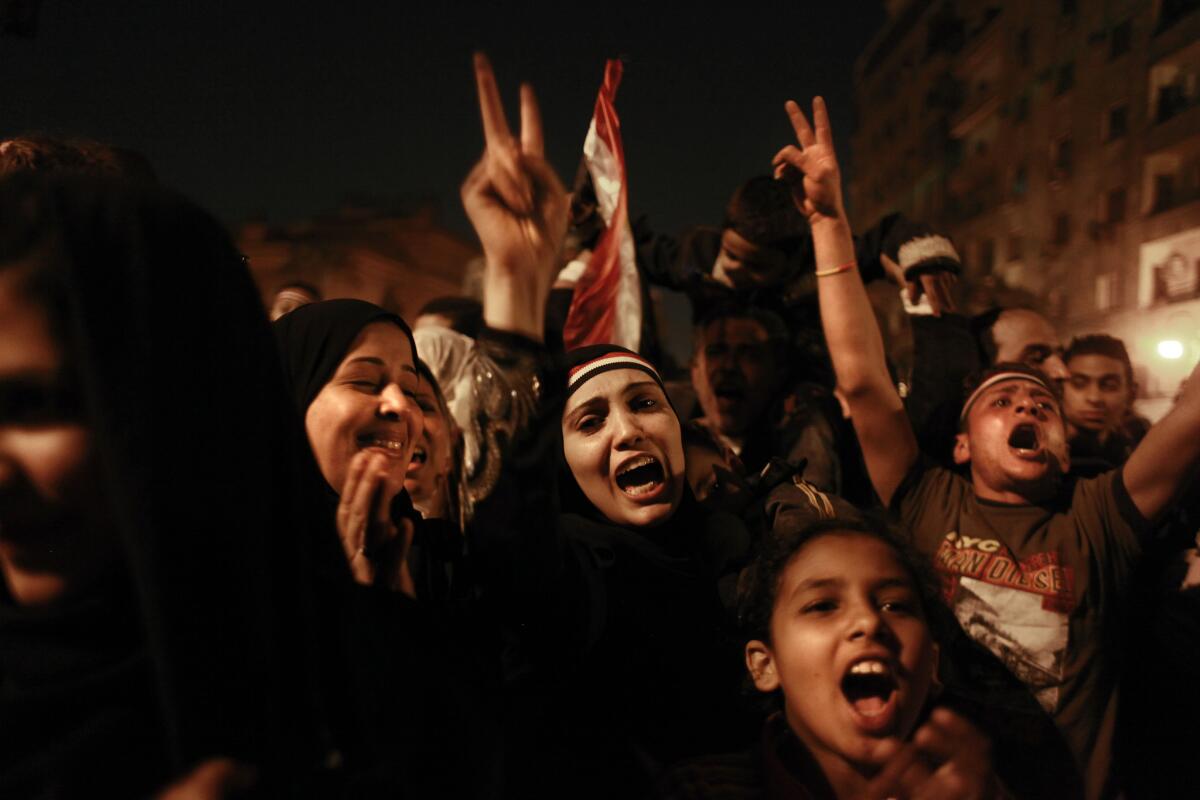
x: 532, y: 142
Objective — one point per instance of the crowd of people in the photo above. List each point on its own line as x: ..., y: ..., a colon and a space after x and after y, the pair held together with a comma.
x: 318, y: 552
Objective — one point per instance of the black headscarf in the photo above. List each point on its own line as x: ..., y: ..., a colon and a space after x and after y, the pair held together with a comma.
x: 384, y: 672
x: 583, y: 364
x: 621, y: 590
x: 314, y: 339
x: 195, y: 646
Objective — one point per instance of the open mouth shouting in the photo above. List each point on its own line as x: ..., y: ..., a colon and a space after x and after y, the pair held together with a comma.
x: 1025, y: 442
x: 641, y: 477
x: 870, y: 688
x: 728, y: 394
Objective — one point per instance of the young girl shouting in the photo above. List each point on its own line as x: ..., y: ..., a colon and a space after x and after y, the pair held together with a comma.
x: 837, y: 618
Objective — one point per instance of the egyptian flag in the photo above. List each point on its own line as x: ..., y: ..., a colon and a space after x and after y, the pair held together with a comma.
x: 607, y: 304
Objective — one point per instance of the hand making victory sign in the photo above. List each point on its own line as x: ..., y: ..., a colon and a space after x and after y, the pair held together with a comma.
x: 519, y: 210
x: 812, y: 171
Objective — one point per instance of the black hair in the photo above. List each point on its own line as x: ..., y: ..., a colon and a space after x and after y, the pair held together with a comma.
x: 763, y: 212
x: 758, y: 587
x: 1101, y: 344
x: 49, y: 154
x: 465, y: 313
x: 772, y: 323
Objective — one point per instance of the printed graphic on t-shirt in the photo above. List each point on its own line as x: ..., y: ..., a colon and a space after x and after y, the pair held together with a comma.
x: 1017, y: 609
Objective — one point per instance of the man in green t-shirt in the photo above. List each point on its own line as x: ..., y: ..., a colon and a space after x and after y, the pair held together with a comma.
x: 1034, y: 567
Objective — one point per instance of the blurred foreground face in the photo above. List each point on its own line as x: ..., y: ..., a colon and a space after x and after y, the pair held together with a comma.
x: 624, y: 446
x: 56, y: 536
x: 734, y: 373
x: 1098, y: 395
x: 368, y: 404
x: 432, y: 458
x: 850, y: 649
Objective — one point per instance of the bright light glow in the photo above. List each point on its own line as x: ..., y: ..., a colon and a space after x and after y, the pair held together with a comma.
x: 1170, y: 348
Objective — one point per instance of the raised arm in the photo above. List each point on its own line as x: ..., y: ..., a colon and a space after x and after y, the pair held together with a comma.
x: 513, y: 387
x: 851, y: 333
x: 518, y: 208
x: 1168, y: 455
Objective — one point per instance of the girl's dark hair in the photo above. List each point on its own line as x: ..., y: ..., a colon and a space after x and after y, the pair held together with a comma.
x: 758, y: 587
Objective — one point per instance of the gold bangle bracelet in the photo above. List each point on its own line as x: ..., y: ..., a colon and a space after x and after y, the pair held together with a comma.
x: 840, y: 268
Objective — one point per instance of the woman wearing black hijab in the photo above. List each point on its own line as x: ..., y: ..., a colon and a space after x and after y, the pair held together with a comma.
x: 351, y: 368
x: 409, y: 678
x: 398, y: 697
x: 152, y: 610
x: 632, y: 661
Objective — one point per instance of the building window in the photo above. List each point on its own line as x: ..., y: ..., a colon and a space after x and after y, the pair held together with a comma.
x: 1016, y: 248
x: 1062, y: 158
x: 1114, y: 205
x: 987, y: 256
x: 1021, y: 108
x: 1118, y: 122
x: 1172, y: 99
x: 1025, y: 47
x: 1171, y: 11
x: 1104, y: 292
x: 1020, y: 181
x: 1164, y: 192
x: 1121, y: 40
x: 1062, y: 229
x: 1066, y: 78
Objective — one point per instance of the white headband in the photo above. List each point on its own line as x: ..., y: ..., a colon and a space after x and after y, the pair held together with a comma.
x: 1000, y: 377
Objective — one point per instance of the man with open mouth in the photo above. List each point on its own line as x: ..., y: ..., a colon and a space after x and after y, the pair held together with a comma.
x: 740, y: 372
x: 1034, y: 567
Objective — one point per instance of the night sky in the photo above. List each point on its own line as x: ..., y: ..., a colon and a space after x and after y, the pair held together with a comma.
x: 283, y: 109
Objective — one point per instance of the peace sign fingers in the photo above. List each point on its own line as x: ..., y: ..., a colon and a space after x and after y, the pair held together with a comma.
x: 495, y: 126
x: 532, y: 143
x: 811, y: 169
x: 502, y: 154
x: 804, y: 133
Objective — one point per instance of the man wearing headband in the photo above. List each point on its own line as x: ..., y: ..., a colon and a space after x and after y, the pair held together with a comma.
x: 1036, y: 568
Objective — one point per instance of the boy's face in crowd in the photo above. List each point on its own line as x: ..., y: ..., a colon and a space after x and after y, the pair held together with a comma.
x: 734, y: 373
x: 1015, y: 441
x: 624, y: 446
x: 56, y: 531
x: 850, y: 648
x: 368, y: 404
x: 1026, y: 337
x: 747, y: 265
x: 1099, y: 393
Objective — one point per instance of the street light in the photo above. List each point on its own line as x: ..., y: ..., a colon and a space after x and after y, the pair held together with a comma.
x: 1170, y: 348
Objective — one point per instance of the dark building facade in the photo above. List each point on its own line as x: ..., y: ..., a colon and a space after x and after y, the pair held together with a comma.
x: 397, y: 260
x: 1058, y: 142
